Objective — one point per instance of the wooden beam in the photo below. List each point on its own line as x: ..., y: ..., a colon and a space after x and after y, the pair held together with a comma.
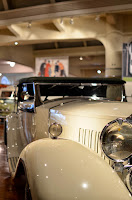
x: 52, y: 1
x: 58, y: 25
x: 5, y: 4
x: 85, y: 43
x: 13, y: 30
x: 84, y: 51
x: 63, y: 9
x: 56, y: 45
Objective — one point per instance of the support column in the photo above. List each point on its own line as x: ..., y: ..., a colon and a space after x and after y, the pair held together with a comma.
x: 113, y: 47
x: 113, y: 63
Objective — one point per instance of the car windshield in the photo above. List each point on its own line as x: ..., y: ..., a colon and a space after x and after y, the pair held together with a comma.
x: 94, y: 91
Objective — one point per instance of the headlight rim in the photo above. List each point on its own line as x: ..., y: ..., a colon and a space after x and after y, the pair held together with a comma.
x: 127, y: 182
x: 103, y: 132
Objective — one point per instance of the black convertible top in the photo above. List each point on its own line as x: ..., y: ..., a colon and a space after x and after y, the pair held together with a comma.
x: 70, y: 80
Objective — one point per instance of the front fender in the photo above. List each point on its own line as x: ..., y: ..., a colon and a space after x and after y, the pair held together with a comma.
x: 65, y: 170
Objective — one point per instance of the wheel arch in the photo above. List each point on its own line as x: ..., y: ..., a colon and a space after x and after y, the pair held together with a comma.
x: 21, y: 169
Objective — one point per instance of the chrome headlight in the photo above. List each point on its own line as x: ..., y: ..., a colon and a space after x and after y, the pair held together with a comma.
x: 55, y: 130
x: 128, y: 179
x: 116, y: 140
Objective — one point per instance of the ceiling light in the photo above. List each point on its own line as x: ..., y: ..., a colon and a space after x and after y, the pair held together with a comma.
x: 71, y: 21
x: 81, y: 58
x: 12, y: 64
x: 0, y: 74
x: 16, y: 43
x: 61, y: 21
x: 84, y: 185
x: 29, y: 25
x: 99, y: 71
x: 97, y: 18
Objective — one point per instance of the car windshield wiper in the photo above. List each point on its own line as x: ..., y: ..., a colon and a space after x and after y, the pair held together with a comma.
x: 52, y: 87
x: 96, y: 88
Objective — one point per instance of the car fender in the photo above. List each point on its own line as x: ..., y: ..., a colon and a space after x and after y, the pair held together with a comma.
x: 63, y: 169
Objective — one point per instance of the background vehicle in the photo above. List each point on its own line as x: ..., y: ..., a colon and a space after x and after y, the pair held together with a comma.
x: 6, y: 100
x: 53, y: 139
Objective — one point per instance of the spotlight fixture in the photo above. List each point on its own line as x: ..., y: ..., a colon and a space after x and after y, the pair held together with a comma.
x: 99, y: 71
x: 61, y: 21
x: 81, y: 58
x: 97, y: 18
x: 12, y: 64
x: 29, y: 25
x: 71, y: 20
x: 16, y: 43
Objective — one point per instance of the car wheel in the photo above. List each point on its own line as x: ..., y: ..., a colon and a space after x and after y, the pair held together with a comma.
x: 27, y: 192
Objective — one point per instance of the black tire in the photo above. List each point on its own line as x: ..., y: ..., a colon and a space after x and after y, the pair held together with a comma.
x: 27, y: 192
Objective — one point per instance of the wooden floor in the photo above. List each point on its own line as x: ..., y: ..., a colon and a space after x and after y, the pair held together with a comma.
x: 8, y: 189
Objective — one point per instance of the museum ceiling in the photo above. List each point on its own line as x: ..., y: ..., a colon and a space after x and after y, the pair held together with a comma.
x: 52, y: 24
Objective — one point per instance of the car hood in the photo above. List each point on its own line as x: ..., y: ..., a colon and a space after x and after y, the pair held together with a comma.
x: 100, y: 109
x: 89, y: 117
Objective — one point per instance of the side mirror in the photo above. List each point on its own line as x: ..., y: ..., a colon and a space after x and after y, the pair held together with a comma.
x: 24, y: 105
x: 24, y: 95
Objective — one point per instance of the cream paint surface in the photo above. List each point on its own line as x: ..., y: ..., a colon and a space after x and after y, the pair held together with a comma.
x: 73, y: 116
x: 62, y: 169
x: 82, y: 121
x: 104, y: 109
x: 42, y: 117
x: 15, y: 138
x: 87, y: 115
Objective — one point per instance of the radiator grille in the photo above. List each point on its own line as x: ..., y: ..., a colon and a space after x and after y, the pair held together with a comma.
x: 91, y: 139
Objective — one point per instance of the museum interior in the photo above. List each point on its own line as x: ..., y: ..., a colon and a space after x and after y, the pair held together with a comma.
x: 93, y: 39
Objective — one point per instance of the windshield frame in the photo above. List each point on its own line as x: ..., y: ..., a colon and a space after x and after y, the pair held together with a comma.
x: 34, y: 88
x: 123, y: 96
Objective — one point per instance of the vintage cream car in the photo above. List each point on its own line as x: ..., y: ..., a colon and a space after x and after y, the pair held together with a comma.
x: 71, y: 138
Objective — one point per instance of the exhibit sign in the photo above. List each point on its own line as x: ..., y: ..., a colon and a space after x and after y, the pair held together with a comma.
x: 52, y: 66
x: 127, y: 62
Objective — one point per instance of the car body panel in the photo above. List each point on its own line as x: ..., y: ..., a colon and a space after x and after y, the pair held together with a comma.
x: 80, y: 122
x: 15, y: 140
x: 63, y: 169
x: 83, y: 120
x: 87, y: 115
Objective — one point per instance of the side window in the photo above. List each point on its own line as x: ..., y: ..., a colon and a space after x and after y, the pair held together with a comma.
x: 26, y: 98
x: 114, y: 92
